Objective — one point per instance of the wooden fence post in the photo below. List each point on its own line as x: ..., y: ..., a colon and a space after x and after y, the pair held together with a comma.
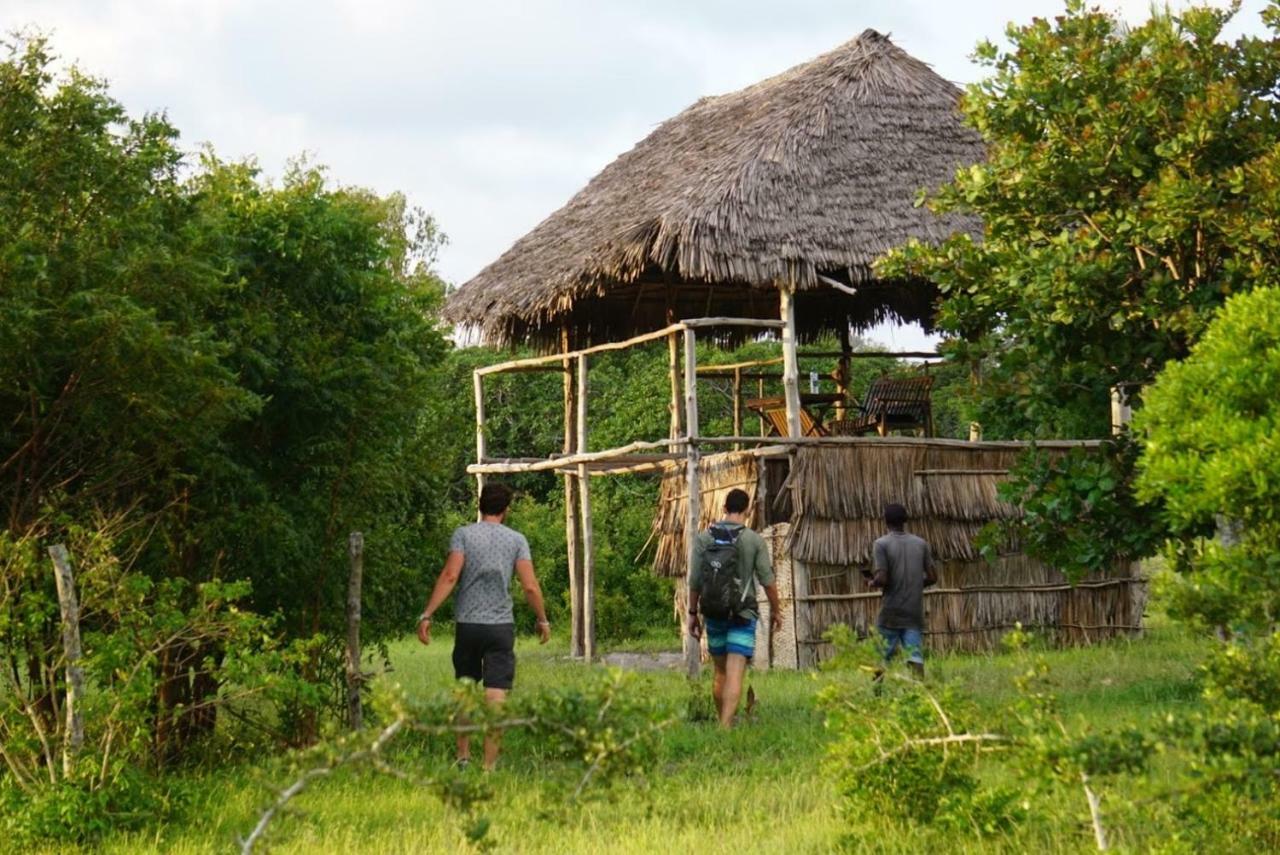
x: 790, y: 361
x: 355, y: 555
x: 69, y: 607
x: 482, y: 449
x: 573, y: 552
x: 587, y: 534
x: 693, y: 502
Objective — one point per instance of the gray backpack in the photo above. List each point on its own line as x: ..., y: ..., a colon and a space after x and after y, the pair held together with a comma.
x: 722, y: 595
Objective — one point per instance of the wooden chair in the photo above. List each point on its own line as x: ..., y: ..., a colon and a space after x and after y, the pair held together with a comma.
x: 775, y: 414
x: 891, y: 403
x: 777, y: 419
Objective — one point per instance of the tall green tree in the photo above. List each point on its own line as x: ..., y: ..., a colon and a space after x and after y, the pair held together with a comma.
x: 1129, y: 188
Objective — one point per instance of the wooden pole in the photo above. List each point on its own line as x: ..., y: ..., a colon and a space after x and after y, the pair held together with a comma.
x: 790, y: 364
x: 693, y: 499
x: 482, y: 450
x: 573, y: 553
x: 584, y: 499
x: 737, y: 406
x: 70, y: 609
x: 842, y: 372
x: 673, y: 374
x: 764, y: 427
x: 975, y: 379
x: 355, y: 556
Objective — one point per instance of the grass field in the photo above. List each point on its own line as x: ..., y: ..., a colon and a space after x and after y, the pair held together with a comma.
x: 761, y: 788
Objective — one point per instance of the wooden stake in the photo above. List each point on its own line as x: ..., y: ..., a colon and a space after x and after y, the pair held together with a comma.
x: 693, y: 502
x: 573, y: 554
x: 842, y: 372
x: 355, y: 556
x: 737, y: 406
x: 673, y: 374
x: 791, y: 364
x: 584, y: 499
x: 70, y: 609
x: 481, y: 446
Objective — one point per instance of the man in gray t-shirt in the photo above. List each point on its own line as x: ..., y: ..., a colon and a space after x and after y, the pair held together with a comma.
x: 903, y: 569
x: 482, y: 558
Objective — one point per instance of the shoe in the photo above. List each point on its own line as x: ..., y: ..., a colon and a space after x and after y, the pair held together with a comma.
x: 751, y: 702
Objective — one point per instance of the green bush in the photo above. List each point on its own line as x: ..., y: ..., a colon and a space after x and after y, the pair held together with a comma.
x: 1211, y: 427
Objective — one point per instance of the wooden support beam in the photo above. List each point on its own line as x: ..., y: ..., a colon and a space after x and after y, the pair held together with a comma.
x: 355, y: 676
x: 584, y: 499
x: 702, y: 323
x: 573, y: 551
x: 764, y: 423
x: 737, y: 406
x: 539, y: 464
x: 842, y: 372
x: 791, y: 366
x: 693, y: 323
x: 482, y: 450
x: 69, y: 608
x: 693, y: 515
x: 673, y: 374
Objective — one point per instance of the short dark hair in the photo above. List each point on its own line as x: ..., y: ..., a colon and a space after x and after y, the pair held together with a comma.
x: 895, y: 515
x: 737, y: 501
x: 494, y: 499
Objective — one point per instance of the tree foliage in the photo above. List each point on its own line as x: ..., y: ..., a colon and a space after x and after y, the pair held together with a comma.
x: 1212, y: 457
x: 1129, y: 187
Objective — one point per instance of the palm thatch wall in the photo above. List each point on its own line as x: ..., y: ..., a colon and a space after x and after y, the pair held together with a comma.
x: 812, y: 173
x: 837, y: 495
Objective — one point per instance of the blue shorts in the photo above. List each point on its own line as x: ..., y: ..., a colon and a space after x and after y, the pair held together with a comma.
x: 731, y: 635
x: 910, y: 638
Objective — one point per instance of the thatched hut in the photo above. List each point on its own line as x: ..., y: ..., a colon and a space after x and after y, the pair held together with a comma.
x: 762, y: 212
x: 797, y: 183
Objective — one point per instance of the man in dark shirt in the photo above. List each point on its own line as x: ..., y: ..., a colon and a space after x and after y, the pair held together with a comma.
x: 903, y: 569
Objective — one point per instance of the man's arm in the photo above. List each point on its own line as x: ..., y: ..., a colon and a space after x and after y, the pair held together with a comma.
x: 882, y: 567
x: 444, y: 587
x: 533, y: 596
x: 775, y: 608
x: 930, y: 568
x: 695, y: 587
x: 764, y: 575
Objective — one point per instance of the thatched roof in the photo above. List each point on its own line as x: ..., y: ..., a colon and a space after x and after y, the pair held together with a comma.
x: 811, y: 173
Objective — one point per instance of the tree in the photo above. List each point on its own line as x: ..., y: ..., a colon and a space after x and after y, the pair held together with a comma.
x: 1129, y: 188
x: 1211, y: 456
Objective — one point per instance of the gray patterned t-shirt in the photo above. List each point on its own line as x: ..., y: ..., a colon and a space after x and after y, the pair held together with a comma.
x: 490, y: 551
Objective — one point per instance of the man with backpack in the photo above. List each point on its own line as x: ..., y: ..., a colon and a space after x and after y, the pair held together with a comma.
x: 729, y: 561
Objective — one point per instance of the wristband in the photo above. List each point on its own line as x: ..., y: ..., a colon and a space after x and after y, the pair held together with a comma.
x: 545, y: 623
x: 424, y: 618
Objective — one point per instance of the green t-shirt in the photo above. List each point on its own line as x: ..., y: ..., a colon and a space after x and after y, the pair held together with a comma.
x: 754, y: 566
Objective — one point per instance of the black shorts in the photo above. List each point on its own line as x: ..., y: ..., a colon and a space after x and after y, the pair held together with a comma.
x: 485, y: 653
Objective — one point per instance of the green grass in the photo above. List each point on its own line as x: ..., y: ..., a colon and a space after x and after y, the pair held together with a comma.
x: 761, y: 788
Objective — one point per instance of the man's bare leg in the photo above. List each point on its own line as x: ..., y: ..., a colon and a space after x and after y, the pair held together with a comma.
x: 464, y: 749
x: 717, y: 683
x: 493, y: 739
x: 735, y: 667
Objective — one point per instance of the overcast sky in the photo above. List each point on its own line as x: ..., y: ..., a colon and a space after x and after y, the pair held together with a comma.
x: 490, y: 115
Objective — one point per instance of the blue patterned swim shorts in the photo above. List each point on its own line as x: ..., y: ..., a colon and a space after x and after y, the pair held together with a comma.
x: 734, y: 635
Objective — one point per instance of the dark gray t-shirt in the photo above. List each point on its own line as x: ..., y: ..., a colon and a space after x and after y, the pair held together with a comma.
x: 905, y: 560
x: 490, y: 551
